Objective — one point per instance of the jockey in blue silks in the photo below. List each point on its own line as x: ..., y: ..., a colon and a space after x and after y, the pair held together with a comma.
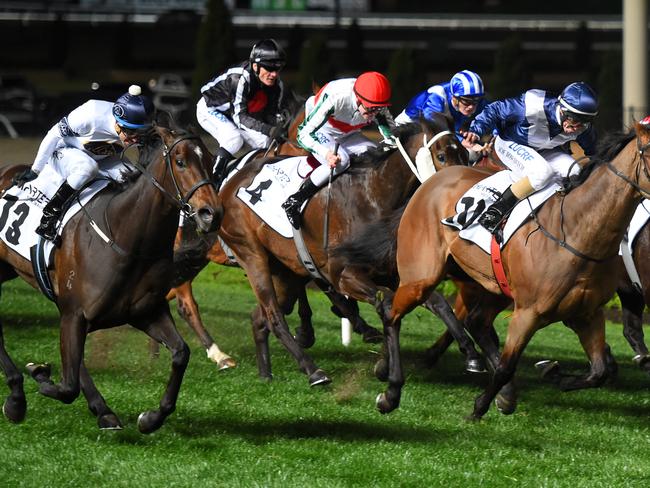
x: 533, y: 135
x: 461, y: 98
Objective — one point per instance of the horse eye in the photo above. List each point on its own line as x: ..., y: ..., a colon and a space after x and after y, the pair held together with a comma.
x: 180, y: 162
x: 441, y: 157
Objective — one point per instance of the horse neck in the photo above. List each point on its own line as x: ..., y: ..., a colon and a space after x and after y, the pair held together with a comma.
x: 396, y: 180
x: 603, y: 206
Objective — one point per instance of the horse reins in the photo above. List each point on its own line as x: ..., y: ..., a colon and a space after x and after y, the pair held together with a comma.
x: 641, y: 151
x: 180, y: 201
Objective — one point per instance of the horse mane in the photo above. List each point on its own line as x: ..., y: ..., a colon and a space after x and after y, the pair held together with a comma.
x: 607, y: 149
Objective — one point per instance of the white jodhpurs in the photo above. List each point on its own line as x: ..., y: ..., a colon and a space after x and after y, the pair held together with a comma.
x: 75, y: 165
x: 351, y: 143
x: 541, y: 167
x: 228, y: 135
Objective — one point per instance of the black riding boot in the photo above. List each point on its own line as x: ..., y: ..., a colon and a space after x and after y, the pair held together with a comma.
x: 292, y: 205
x: 495, y: 213
x: 52, y: 212
x: 220, y: 168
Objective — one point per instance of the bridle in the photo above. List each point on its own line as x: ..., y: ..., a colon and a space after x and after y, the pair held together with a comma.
x: 179, y: 200
x: 640, y: 149
x: 426, y: 148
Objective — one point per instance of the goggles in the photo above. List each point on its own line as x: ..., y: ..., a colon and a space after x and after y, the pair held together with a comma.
x: 272, y: 67
x: 469, y: 101
x: 582, y: 119
x: 371, y: 110
x: 132, y: 132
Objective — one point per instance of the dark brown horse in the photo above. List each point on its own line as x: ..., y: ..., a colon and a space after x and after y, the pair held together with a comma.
x: 376, y: 183
x: 101, y: 285
x: 561, y: 266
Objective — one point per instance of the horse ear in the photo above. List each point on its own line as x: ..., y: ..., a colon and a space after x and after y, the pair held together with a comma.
x: 643, y: 130
x: 315, y: 87
x: 164, y: 119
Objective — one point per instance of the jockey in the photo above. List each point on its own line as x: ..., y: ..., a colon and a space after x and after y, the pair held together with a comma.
x: 532, y: 135
x: 243, y: 104
x: 460, y: 98
x: 336, y: 115
x: 77, y: 143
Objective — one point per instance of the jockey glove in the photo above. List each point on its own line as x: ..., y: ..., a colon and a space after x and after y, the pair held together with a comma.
x: 277, y: 134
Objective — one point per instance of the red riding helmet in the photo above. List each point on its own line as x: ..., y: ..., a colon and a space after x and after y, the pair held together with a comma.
x: 373, y: 89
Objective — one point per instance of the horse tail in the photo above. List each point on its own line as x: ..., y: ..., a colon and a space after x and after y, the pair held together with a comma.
x: 374, y: 247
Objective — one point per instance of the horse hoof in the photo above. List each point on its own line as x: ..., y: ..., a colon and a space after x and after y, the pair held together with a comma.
x: 36, y: 370
x: 109, y: 422
x: 149, y: 422
x: 372, y: 336
x: 547, y: 368
x: 318, y: 378
x: 381, y: 370
x: 227, y: 363
x: 304, y: 340
x: 383, y: 405
x: 476, y: 365
x: 14, y: 409
x: 504, y: 405
x: 473, y: 418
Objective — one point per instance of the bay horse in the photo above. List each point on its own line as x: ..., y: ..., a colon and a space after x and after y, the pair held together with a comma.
x: 375, y: 184
x: 101, y: 285
x: 565, y: 272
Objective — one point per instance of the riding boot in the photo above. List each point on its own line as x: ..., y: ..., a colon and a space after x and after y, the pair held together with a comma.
x: 292, y: 205
x: 495, y: 213
x: 52, y: 212
x: 220, y: 168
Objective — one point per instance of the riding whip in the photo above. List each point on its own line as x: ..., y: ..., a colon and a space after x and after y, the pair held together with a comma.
x: 326, y: 221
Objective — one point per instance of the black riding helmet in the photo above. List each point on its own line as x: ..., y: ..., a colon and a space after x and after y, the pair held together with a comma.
x: 268, y: 54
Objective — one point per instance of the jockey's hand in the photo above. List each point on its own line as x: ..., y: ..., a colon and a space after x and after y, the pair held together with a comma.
x: 332, y: 159
x: 277, y: 134
x: 24, y: 177
x: 474, y: 147
x: 470, y: 137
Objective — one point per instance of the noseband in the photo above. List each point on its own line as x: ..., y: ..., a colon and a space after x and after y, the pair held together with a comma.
x: 180, y: 201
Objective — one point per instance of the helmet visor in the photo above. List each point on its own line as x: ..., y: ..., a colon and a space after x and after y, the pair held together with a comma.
x: 578, y: 118
x: 271, y: 66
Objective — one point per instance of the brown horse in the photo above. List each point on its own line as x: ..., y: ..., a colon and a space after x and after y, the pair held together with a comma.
x: 101, y: 285
x: 565, y: 272
x: 376, y: 183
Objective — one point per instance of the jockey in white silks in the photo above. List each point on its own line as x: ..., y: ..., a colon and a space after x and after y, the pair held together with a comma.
x: 533, y: 132
x: 243, y: 104
x: 335, y: 116
x: 77, y: 144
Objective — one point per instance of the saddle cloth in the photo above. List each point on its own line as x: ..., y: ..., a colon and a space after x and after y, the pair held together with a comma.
x: 271, y: 187
x: 19, y: 218
x: 640, y: 218
x: 480, y: 196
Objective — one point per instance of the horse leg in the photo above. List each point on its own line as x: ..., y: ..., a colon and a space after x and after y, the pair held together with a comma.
x: 633, y: 304
x: 261, y: 338
x: 433, y: 353
x: 15, y: 405
x: 349, y: 309
x: 188, y: 309
x: 161, y: 328
x: 437, y: 304
x: 72, y: 340
x: 305, y: 332
x: 522, y: 326
x: 106, y: 418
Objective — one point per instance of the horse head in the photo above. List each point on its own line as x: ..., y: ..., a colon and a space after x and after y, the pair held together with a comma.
x: 185, y: 178
x: 642, y: 129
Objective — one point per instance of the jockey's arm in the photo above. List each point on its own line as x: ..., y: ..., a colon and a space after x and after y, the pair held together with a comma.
x: 240, y: 115
x: 434, y: 104
x: 307, y: 138
x: 46, y: 149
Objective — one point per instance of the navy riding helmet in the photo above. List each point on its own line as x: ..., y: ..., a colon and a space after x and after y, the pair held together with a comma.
x: 579, y: 101
x: 133, y: 110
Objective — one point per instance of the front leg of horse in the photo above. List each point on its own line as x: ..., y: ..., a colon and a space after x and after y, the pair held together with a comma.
x: 106, y: 418
x: 15, y: 405
x: 633, y: 304
x: 162, y: 329
x: 349, y: 309
x: 188, y: 309
x: 305, y: 332
x: 261, y: 338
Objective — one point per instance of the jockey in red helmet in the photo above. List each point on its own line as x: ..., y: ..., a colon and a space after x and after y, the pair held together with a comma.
x: 336, y: 115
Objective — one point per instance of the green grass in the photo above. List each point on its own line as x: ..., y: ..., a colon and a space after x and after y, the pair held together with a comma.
x: 231, y: 429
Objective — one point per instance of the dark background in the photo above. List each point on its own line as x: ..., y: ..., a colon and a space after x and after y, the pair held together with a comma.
x: 51, y: 62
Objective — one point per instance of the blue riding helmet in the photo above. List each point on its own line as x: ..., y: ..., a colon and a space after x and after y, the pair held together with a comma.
x: 579, y: 101
x: 133, y: 110
x: 466, y: 83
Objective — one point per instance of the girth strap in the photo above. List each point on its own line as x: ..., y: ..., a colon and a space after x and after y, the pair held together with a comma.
x: 497, y: 267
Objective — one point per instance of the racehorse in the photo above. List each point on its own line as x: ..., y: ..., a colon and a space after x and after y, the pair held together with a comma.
x: 565, y: 272
x: 99, y: 284
x: 375, y: 184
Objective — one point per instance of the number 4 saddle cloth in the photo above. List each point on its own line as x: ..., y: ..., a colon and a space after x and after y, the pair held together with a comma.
x: 483, y: 194
x: 272, y: 186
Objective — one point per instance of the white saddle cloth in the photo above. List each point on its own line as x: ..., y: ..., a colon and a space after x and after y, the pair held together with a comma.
x: 271, y: 187
x: 483, y: 194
